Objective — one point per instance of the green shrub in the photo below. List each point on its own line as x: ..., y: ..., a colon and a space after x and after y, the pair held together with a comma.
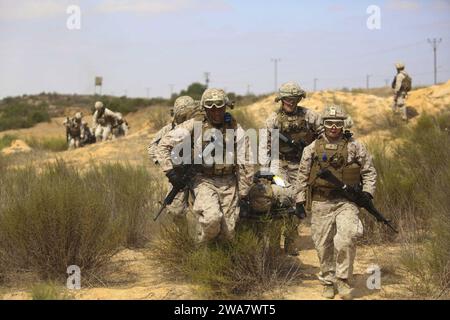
x: 246, y: 266
x: 70, y: 218
x: 412, y: 189
x: 6, y: 140
x: 47, y: 144
x: 48, y: 291
x: 19, y: 114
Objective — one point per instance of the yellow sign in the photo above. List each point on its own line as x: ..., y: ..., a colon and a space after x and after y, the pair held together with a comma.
x: 98, y: 81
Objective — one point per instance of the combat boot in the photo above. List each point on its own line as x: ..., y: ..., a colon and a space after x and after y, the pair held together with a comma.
x: 328, y: 291
x: 344, y: 289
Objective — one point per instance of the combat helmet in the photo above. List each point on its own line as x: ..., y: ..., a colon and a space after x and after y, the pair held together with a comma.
x: 400, y: 65
x: 334, y: 112
x: 261, y: 196
x: 290, y: 89
x: 98, y: 105
x: 78, y: 115
x: 214, y: 97
x: 183, y: 108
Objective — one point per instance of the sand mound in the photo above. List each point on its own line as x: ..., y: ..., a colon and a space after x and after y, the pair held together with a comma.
x: 17, y: 146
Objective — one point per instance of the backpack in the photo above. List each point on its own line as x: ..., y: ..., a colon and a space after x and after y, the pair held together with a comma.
x: 406, y: 83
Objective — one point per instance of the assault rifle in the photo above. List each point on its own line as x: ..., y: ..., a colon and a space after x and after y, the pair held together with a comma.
x: 186, y: 176
x: 355, y: 195
x: 300, y: 145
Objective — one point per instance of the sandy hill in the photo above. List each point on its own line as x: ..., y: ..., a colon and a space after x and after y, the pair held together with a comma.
x: 369, y: 112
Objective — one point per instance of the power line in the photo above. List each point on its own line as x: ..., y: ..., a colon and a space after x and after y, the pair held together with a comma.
x: 275, y: 62
x: 207, y: 74
x: 434, y: 43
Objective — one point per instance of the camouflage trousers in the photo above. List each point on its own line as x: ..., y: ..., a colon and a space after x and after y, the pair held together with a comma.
x: 399, y: 104
x: 178, y: 208
x: 215, y: 207
x: 288, y: 171
x: 74, y: 142
x: 102, y: 132
x: 335, y: 226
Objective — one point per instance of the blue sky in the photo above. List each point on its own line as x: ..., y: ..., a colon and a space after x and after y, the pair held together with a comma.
x: 142, y: 44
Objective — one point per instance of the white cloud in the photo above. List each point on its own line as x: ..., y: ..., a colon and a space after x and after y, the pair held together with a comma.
x: 30, y: 9
x: 159, y: 6
x: 401, y: 5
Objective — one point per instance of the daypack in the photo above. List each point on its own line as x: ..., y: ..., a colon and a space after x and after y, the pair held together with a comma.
x: 406, y: 83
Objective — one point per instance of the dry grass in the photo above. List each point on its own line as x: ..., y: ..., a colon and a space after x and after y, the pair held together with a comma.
x: 245, y: 267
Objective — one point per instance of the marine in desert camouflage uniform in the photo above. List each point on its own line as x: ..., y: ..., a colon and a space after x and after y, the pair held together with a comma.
x: 334, y: 220
x: 75, y: 130
x: 103, y: 121
x: 400, y: 90
x: 301, y: 125
x: 185, y: 108
x: 218, y: 187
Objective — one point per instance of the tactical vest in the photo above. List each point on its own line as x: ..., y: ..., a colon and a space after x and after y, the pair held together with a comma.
x: 219, y: 169
x: 103, y: 119
x: 74, y: 128
x: 297, y: 128
x: 334, y: 158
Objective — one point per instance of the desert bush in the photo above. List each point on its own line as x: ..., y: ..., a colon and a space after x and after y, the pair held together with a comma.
x: 48, y: 291
x: 48, y: 144
x: 246, y: 266
x: 59, y: 217
x: 412, y: 189
x: 132, y: 193
x: 5, y: 141
x: 19, y: 114
x: 159, y: 117
x: 245, y: 119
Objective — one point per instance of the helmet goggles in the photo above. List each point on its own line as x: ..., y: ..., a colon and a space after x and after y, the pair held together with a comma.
x: 330, y: 123
x: 214, y: 103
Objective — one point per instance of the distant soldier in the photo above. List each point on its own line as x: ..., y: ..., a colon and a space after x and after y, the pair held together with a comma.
x: 75, y: 130
x: 334, y: 219
x: 300, y: 125
x: 185, y: 108
x: 401, y: 85
x: 120, y: 127
x: 103, y: 121
x: 218, y: 185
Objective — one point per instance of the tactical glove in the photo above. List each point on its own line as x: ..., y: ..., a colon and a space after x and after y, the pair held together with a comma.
x: 174, y: 178
x: 300, y: 211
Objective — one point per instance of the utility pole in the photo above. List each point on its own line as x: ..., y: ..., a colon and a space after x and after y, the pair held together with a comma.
x: 367, y: 80
x: 171, y: 89
x: 207, y: 74
x: 386, y: 82
x: 434, y: 43
x: 248, y: 89
x: 275, y: 62
x: 315, y: 84
x: 148, y: 92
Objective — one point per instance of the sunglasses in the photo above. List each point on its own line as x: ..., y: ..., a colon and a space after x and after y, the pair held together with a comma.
x: 214, y: 103
x: 336, y: 123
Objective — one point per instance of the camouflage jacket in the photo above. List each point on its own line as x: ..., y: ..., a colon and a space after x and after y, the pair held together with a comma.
x: 357, y: 152
x: 244, y: 171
